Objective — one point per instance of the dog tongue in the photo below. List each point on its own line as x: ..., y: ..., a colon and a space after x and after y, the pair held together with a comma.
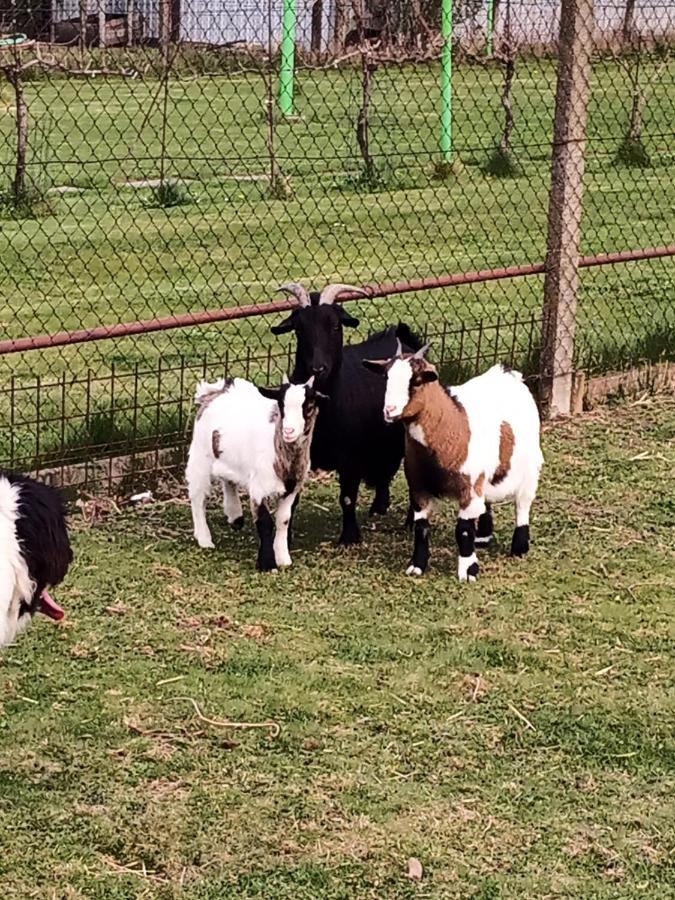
x: 50, y: 607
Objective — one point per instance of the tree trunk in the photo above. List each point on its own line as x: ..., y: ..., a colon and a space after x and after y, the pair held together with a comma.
x: 19, y: 185
x: 130, y: 23
x: 341, y: 23
x: 509, y: 75
x: 316, y: 40
x: 101, y: 23
x: 362, y: 122
x: 637, y: 96
x: 83, y: 29
x: 165, y: 24
x: 636, y: 110
x: 628, y: 19
x: 268, y: 77
x: 496, y: 10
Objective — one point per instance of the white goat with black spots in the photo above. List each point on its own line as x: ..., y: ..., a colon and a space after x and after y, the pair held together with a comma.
x: 257, y: 440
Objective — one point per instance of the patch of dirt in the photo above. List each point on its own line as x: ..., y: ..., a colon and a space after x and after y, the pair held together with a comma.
x: 474, y: 687
x: 257, y: 631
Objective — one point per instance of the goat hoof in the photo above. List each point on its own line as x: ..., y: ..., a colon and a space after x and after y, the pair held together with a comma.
x: 237, y: 524
x: 378, y: 509
x: 520, y: 544
x: 349, y: 540
x: 471, y: 574
x: 206, y: 545
x: 414, y: 570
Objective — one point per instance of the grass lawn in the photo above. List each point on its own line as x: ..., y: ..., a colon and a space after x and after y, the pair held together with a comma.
x: 516, y: 736
x: 106, y: 255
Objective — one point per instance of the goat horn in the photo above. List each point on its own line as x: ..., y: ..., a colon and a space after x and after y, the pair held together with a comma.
x: 297, y: 291
x: 399, y: 348
x: 419, y: 354
x: 332, y: 291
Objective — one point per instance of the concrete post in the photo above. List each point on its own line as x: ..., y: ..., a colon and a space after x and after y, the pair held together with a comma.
x: 566, y: 205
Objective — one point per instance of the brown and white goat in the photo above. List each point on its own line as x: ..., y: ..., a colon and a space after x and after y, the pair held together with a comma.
x: 477, y: 443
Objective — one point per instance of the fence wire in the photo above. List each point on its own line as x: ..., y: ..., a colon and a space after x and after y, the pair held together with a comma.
x: 159, y: 159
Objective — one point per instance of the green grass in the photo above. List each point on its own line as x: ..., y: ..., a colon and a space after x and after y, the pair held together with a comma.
x: 217, y: 236
x: 515, y: 736
x: 113, y: 253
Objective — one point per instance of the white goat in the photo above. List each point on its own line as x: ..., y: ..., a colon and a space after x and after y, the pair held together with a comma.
x: 477, y: 443
x: 256, y: 439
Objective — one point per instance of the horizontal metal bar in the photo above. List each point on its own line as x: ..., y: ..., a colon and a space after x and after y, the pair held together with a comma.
x: 207, y: 317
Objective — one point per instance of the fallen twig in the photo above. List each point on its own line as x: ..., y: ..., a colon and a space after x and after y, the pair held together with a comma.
x: 521, y: 717
x: 605, y: 671
x: 273, y: 727
x: 141, y: 872
x: 170, y: 680
x: 645, y: 455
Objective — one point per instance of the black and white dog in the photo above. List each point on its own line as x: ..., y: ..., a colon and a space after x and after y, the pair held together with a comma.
x: 35, y: 552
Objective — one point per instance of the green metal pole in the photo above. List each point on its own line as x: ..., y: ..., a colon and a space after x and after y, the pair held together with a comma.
x: 446, y: 81
x: 287, y: 58
x: 490, y: 26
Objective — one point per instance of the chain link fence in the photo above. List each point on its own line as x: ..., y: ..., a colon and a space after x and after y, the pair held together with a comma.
x: 165, y: 165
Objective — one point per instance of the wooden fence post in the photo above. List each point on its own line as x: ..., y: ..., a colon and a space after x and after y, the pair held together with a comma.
x: 566, y: 205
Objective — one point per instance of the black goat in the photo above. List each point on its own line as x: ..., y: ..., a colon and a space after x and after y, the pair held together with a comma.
x: 351, y: 436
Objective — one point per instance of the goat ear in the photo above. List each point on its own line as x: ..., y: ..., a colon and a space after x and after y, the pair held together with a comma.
x: 378, y: 366
x: 285, y: 326
x: 346, y: 319
x: 428, y: 376
x: 270, y: 393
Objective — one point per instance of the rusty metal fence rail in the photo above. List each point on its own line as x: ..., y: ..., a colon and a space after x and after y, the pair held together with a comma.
x: 163, y: 167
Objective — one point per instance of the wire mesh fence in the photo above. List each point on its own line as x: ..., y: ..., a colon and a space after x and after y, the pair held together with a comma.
x: 160, y: 159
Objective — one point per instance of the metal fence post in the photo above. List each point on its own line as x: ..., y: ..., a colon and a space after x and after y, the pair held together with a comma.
x: 566, y: 205
x: 287, y: 67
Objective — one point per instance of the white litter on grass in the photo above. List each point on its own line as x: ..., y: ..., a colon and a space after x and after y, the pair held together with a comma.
x: 144, y: 497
